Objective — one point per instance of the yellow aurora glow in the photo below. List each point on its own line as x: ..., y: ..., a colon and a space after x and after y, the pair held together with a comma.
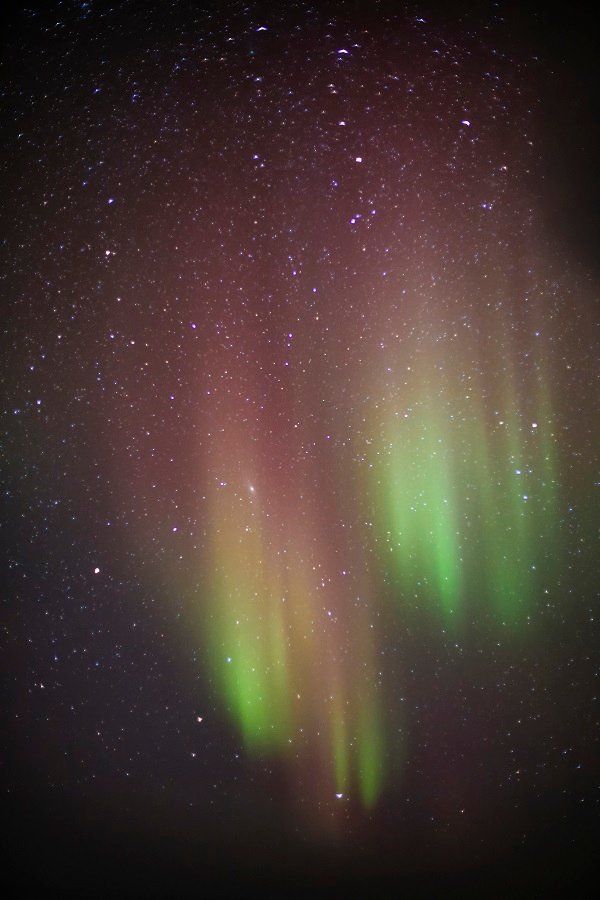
x: 292, y: 648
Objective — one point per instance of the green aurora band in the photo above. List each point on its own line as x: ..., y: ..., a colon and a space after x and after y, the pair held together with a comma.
x: 293, y: 689
x: 464, y: 488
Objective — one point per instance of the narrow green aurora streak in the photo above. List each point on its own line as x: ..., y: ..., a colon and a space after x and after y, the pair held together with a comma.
x: 417, y: 506
x: 249, y: 654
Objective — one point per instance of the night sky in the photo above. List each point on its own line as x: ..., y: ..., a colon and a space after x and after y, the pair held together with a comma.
x: 299, y: 449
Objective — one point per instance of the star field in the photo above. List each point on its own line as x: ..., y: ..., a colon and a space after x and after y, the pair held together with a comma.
x: 299, y: 447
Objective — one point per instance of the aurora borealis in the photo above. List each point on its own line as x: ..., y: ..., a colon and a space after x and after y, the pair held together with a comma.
x: 446, y: 506
x: 299, y: 449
